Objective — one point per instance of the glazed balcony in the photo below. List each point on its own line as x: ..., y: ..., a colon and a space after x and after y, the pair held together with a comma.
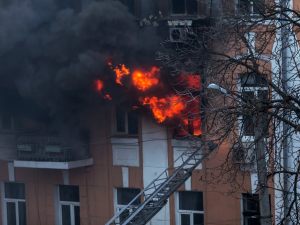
x: 51, y: 152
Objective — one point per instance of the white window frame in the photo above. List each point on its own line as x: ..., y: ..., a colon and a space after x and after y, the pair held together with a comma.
x: 72, y: 208
x: 118, y: 207
x: 4, y: 205
x: 248, y: 138
x: 179, y: 212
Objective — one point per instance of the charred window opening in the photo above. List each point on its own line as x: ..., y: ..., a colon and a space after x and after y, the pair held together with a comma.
x: 251, y: 7
x: 253, y: 87
x: 190, y: 208
x: 69, y: 204
x: 184, y: 7
x: 251, y: 212
x: 14, y: 203
x: 126, y: 122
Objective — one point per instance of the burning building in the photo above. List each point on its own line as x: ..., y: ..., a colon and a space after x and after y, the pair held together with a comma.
x: 89, y: 119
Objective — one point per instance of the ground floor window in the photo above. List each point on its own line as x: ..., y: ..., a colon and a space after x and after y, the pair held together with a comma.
x: 251, y: 209
x: 190, y: 209
x: 69, y: 205
x: 123, y: 196
x: 14, y: 204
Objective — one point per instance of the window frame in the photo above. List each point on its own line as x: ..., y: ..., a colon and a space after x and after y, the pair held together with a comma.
x: 251, y: 11
x: 180, y: 212
x: 6, y: 200
x: 71, y: 204
x: 118, y: 207
x: 255, y: 90
x: 245, y: 197
x: 185, y: 9
x: 126, y: 123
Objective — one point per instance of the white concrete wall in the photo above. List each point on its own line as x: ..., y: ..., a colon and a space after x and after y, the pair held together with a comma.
x: 155, y: 161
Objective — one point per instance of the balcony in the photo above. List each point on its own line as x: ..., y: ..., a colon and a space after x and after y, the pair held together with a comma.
x: 50, y: 152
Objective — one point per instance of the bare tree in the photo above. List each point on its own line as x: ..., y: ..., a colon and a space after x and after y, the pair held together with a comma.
x: 253, y: 58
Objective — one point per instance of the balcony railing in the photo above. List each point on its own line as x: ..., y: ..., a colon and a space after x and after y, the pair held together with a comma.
x: 49, y: 148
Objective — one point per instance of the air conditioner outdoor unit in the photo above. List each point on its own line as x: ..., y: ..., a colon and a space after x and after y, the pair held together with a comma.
x: 178, y: 34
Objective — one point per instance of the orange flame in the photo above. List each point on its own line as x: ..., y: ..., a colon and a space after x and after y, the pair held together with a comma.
x: 120, y: 71
x: 145, y: 80
x: 99, y: 85
x: 197, y: 127
x: 165, y: 108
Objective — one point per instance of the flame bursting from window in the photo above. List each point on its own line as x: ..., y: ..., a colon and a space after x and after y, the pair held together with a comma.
x: 145, y: 80
x: 165, y: 108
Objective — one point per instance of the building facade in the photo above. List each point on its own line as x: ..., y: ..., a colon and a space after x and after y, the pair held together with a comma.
x: 47, y: 181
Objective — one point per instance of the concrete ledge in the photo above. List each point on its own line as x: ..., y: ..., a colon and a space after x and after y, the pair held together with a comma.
x: 53, y: 165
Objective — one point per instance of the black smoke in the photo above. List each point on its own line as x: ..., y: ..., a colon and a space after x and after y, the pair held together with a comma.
x: 50, y: 53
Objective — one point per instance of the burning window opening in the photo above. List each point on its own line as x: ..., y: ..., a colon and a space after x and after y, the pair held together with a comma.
x: 165, y: 107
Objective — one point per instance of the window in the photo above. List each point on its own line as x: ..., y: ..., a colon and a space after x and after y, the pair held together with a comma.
x: 14, y: 204
x: 251, y: 7
x: 190, y: 209
x: 253, y: 87
x: 126, y: 122
x: 69, y: 206
x: 184, y: 7
x: 251, y: 209
x: 123, y: 197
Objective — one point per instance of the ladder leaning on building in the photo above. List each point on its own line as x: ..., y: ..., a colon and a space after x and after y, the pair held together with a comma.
x: 156, y: 194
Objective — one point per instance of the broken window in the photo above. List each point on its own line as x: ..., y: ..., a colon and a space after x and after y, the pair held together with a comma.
x: 190, y: 208
x: 184, y: 7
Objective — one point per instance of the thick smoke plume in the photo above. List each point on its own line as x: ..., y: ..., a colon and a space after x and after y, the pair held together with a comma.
x: 51, y: 54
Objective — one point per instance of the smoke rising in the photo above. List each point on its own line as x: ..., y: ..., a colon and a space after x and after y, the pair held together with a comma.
x: 51, y: 54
